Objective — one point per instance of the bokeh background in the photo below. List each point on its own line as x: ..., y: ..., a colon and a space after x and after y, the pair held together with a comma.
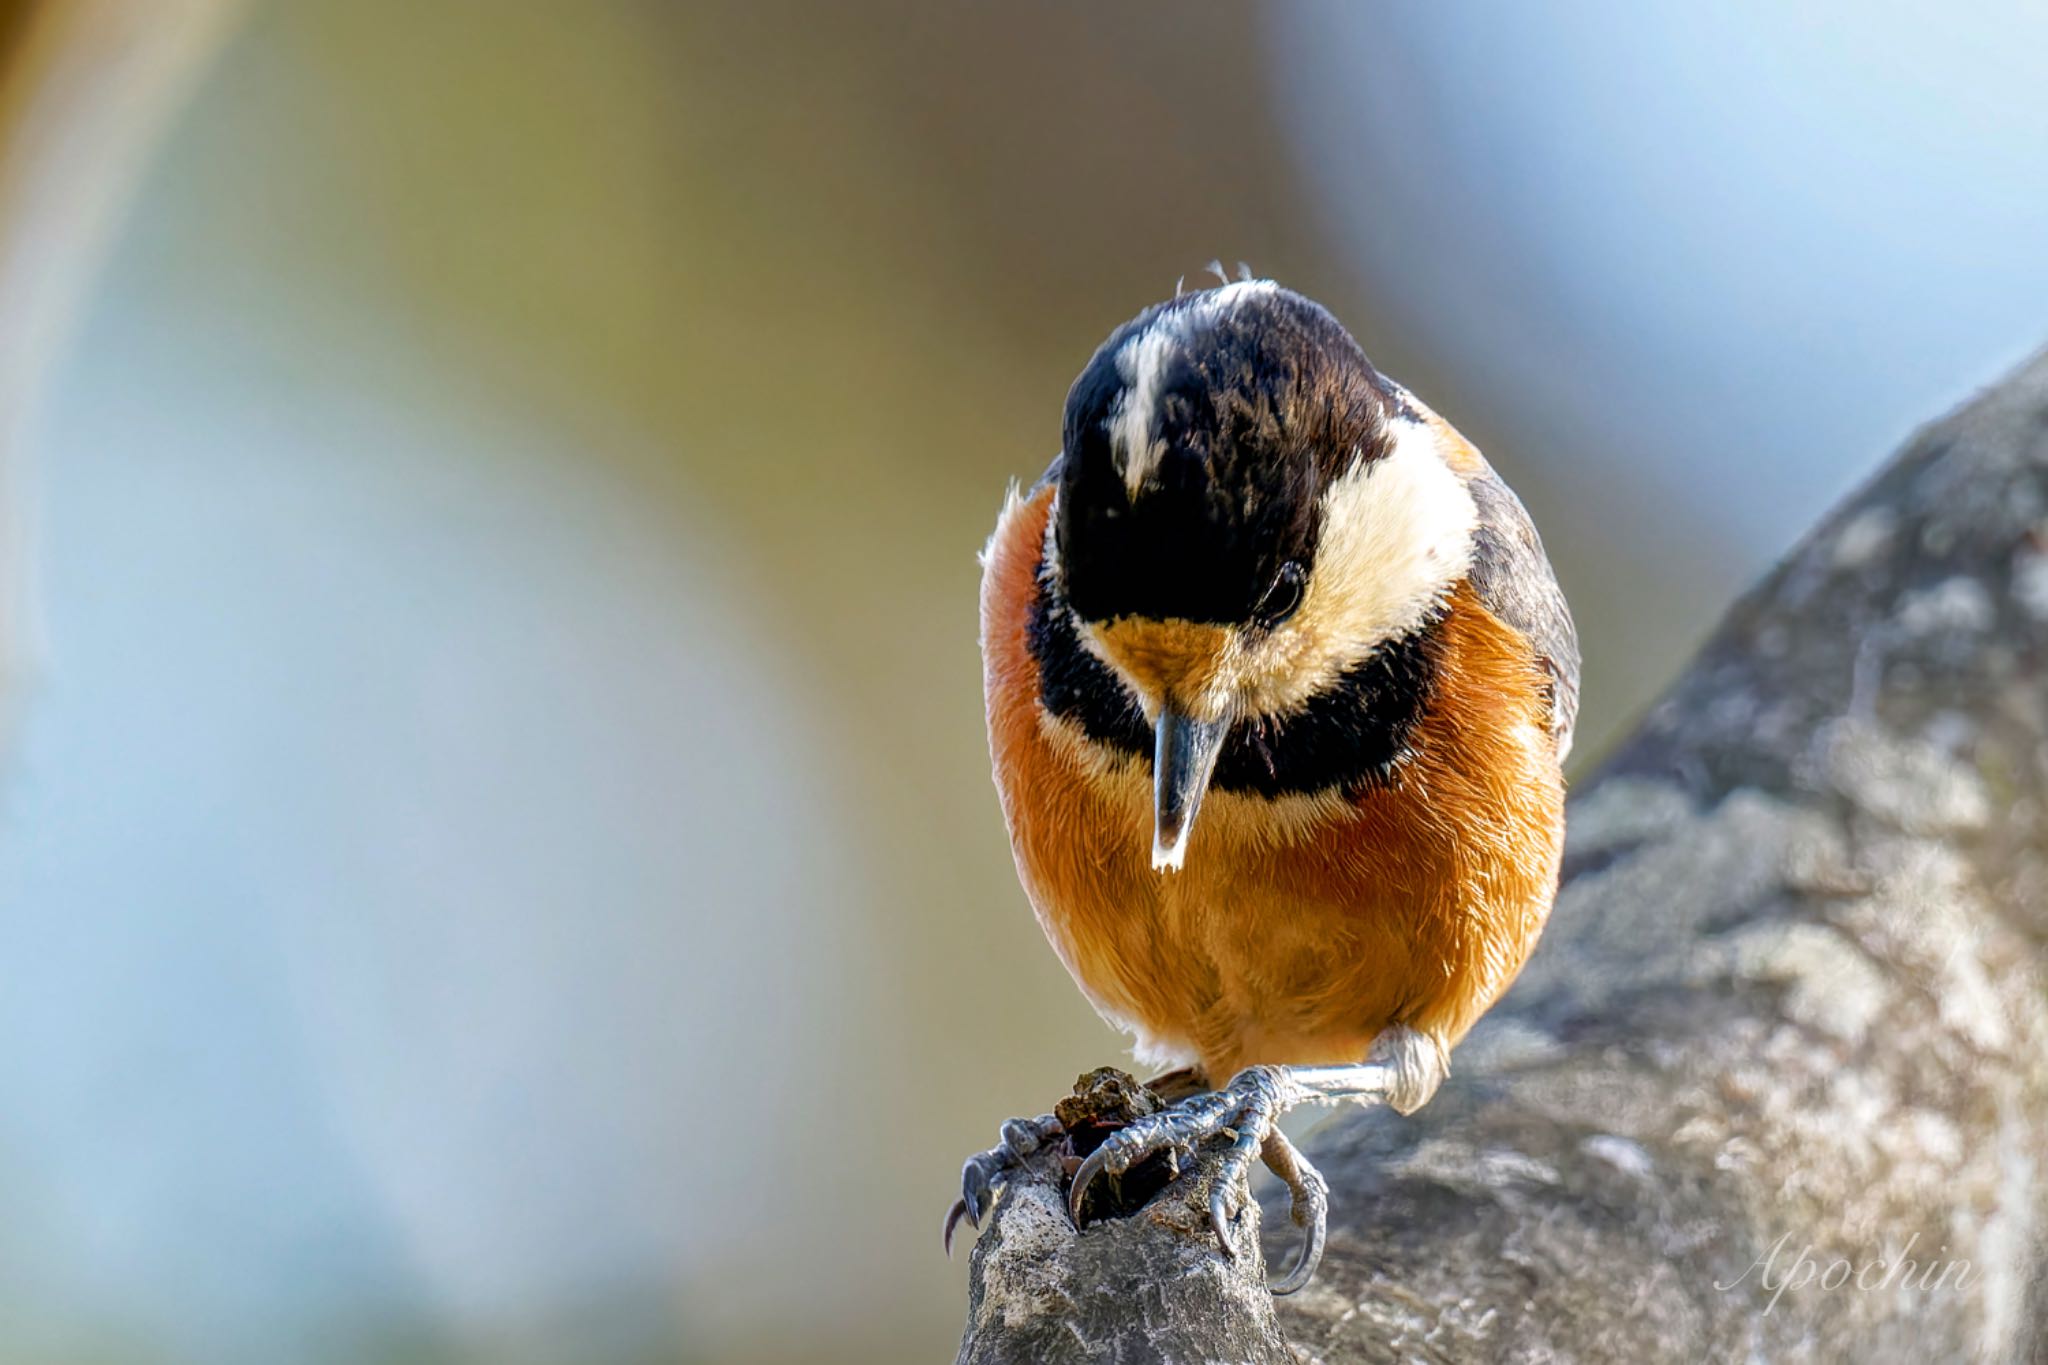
x: 496, y: 854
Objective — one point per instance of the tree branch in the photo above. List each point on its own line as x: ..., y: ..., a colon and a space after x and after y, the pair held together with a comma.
x: 1775, y: 1085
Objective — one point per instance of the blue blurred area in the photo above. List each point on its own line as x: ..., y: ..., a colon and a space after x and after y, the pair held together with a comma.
x: 1687, y: 271
x: 413, y: 819
x: 356, y: 962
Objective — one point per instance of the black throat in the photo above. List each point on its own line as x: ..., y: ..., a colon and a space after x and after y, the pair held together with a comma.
x: 1351, y: 737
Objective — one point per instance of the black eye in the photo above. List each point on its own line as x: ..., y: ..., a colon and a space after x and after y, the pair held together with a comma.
x: 1284, y: 597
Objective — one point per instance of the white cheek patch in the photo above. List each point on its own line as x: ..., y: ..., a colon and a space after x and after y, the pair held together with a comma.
x: 1396, y: 537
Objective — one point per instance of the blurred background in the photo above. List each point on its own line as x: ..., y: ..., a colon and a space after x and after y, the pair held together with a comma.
x: 496, y: 854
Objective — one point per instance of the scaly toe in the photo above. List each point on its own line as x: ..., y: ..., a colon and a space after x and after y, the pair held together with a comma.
x: 1175, y: 1132
x: 1310, y: 1210
x: 984, y: 1173
x: 1235, y: 1175
x: 1244, y: 1111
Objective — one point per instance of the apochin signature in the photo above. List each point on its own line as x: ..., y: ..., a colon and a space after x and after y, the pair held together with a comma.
x: 1898, y: 1271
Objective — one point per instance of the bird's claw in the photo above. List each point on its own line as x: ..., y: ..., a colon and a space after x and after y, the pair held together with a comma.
x: 1310, y: 1209
x: 983, y: 1174
x: 1246, y: 1112
x: 1245, y: 1109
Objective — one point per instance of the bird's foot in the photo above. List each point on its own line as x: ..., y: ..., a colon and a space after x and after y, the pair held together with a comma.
x: 1246, y: 1113
x: 1103, y: 1101
x: 984, y: 1172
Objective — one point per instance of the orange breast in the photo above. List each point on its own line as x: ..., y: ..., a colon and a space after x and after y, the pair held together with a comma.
x: 1299, y: 927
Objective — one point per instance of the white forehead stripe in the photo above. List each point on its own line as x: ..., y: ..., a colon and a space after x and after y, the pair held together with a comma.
x: 1141, y: 362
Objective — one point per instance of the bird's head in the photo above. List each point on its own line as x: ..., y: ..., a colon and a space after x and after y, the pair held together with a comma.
x: 1245, y: 510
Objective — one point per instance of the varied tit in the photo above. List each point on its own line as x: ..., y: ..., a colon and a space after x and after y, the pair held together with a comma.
x: 1279, y: 684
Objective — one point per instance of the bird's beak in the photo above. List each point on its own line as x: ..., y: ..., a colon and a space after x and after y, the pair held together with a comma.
x: 1183, y: 760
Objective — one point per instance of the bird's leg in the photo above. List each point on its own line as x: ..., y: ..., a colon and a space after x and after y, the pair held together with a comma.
x: 984, y: 1172
x: 1402, y: 1069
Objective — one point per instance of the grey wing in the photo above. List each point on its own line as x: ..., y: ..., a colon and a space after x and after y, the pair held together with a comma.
x: 1513, y: 578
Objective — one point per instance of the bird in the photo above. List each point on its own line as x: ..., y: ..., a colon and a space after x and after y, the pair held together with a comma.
x: 1279, y: 686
